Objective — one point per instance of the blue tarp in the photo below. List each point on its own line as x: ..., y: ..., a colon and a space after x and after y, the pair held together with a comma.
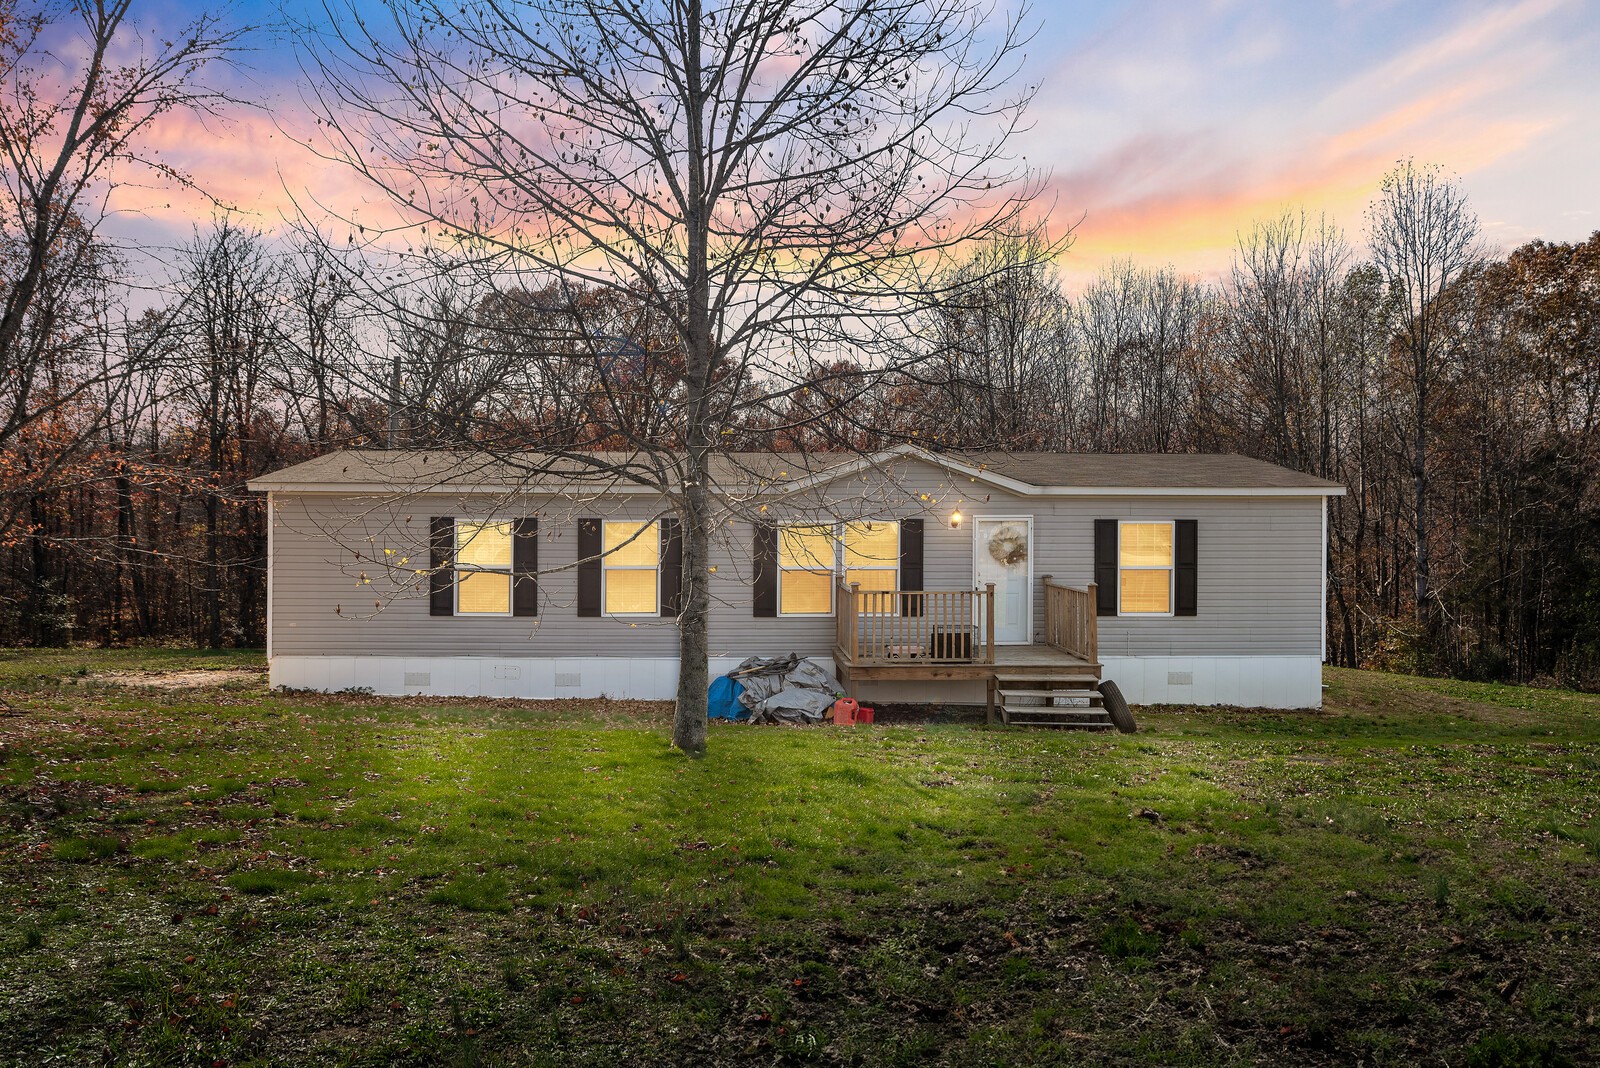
x: 722, y: 701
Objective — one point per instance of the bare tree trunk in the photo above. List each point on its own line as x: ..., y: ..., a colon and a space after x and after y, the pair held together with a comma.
x: 689, y: 722
x: 694, y: 673
x: 1419, y: 486
x: 127, y: 563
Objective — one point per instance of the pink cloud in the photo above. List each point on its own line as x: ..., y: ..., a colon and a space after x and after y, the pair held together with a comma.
x: 244, y: 163
x: 1207, y: 156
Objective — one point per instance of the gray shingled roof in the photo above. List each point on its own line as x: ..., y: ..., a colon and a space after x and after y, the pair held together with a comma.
x: 422, y: 469
x: 446, y: 468
x: 1169, y: 470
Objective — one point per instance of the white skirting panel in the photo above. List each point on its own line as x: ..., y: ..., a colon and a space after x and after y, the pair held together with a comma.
x: 532, y: 678
x: 1244, y: 681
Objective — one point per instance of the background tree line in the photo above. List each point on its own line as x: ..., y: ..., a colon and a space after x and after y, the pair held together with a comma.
x: 1464, y: 418
x: 1454, y: 391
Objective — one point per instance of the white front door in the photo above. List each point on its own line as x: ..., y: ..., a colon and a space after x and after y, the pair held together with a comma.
x: 1003, y: 555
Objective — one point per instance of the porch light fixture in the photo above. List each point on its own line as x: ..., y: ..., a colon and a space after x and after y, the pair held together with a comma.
x: 955, y: 519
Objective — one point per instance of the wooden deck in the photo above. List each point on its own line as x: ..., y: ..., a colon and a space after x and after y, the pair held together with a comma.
x: 948, y: 636
x: 1033, y: 668
x: 1008, y: 659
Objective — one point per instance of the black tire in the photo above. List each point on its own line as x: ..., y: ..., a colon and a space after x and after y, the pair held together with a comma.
x: 1117, y: 707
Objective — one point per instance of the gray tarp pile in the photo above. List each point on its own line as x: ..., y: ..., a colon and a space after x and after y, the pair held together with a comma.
x: 785, y: 689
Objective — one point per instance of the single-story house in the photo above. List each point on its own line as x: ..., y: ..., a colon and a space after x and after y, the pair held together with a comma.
x: 914, y: 575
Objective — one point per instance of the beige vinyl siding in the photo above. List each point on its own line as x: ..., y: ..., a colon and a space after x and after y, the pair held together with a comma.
x: 1259, y: 585
x: 322, y: 606
x: 1260, y: 572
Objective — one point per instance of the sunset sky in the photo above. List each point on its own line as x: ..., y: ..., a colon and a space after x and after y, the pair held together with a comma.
x: 1169, y: 126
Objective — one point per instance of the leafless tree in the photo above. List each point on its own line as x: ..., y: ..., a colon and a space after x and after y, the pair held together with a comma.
x: 771, y: 180
x: 82, y: 84
x: 319, y: 327
x: 1424, y: 238
x: 1000, y: 338
x: 1285, y: 283
x: 1136, y: 331
x: 221, y: 344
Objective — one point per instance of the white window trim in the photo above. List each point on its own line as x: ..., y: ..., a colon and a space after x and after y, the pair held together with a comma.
x: 833, y: 571
x: 509, y: 571
x: 1171, y: 569
x: 840, y: 571
x: 607, y: 568
x: 845, y: 568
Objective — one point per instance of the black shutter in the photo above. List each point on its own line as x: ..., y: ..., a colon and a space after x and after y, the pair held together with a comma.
x: 671, y: 567
x: 525, y: 567
x: 1185, y: 574
x: 764, y: 597
x: 911, y: 565
x: 1105, y: 566
x: 589, y: 567
x: 441, y: 571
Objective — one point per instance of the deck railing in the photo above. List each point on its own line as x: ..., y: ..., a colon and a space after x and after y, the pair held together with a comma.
x: 930, y: 626
x: 1070, y: 619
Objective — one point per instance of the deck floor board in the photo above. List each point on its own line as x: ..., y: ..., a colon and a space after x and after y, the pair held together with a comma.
x: 1008, y: 659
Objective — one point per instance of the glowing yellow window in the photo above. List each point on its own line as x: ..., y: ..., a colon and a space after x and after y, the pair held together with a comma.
x: 632, y: 565
x: 483, y: 545
x: 805, y: 570
x: 1144, y: 578
x: 872, y: 561
x: 483, y: 569
x: 485, y: 593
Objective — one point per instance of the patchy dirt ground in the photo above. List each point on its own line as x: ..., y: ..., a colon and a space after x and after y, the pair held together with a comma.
x: 181, y: 680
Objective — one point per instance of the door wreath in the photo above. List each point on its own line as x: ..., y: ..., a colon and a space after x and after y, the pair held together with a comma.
x: 1008, y: 544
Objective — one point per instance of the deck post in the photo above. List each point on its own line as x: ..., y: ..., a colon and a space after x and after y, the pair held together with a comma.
x: 855, y: 621
x: 1050, y: 623
x: 988, y: 616
x: 1093, y: 628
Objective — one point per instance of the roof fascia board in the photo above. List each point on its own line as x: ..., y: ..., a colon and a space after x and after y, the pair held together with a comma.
x: 1190, y: 491
x: 850, y: 467
x: 390, y: 490
x: 1028, y: 489
x: 982, y: 474
x: 907, y: 451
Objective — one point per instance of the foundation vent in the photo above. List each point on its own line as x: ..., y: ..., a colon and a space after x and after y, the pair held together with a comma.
x: 569, y: 678
x: 1180, y: 678
x: 418, y: 678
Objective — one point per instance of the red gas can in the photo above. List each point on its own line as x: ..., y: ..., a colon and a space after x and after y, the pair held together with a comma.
x: 844, y: 710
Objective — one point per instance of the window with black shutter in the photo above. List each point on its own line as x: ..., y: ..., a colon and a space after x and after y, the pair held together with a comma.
x: 441, y: 576
x: 1105, y: 567
x: 1186, y: 575
x: 911, y: 566
x: 588, y: 567
x: 671, y: 566
x: 525, y: 567
x: 764, y: 595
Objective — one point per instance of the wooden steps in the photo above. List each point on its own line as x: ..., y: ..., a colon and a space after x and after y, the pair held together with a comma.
x: 1027, y: 697
x: 1088, y: 694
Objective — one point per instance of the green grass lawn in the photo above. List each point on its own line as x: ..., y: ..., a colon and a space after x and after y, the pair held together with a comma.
x: 226, y: 876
